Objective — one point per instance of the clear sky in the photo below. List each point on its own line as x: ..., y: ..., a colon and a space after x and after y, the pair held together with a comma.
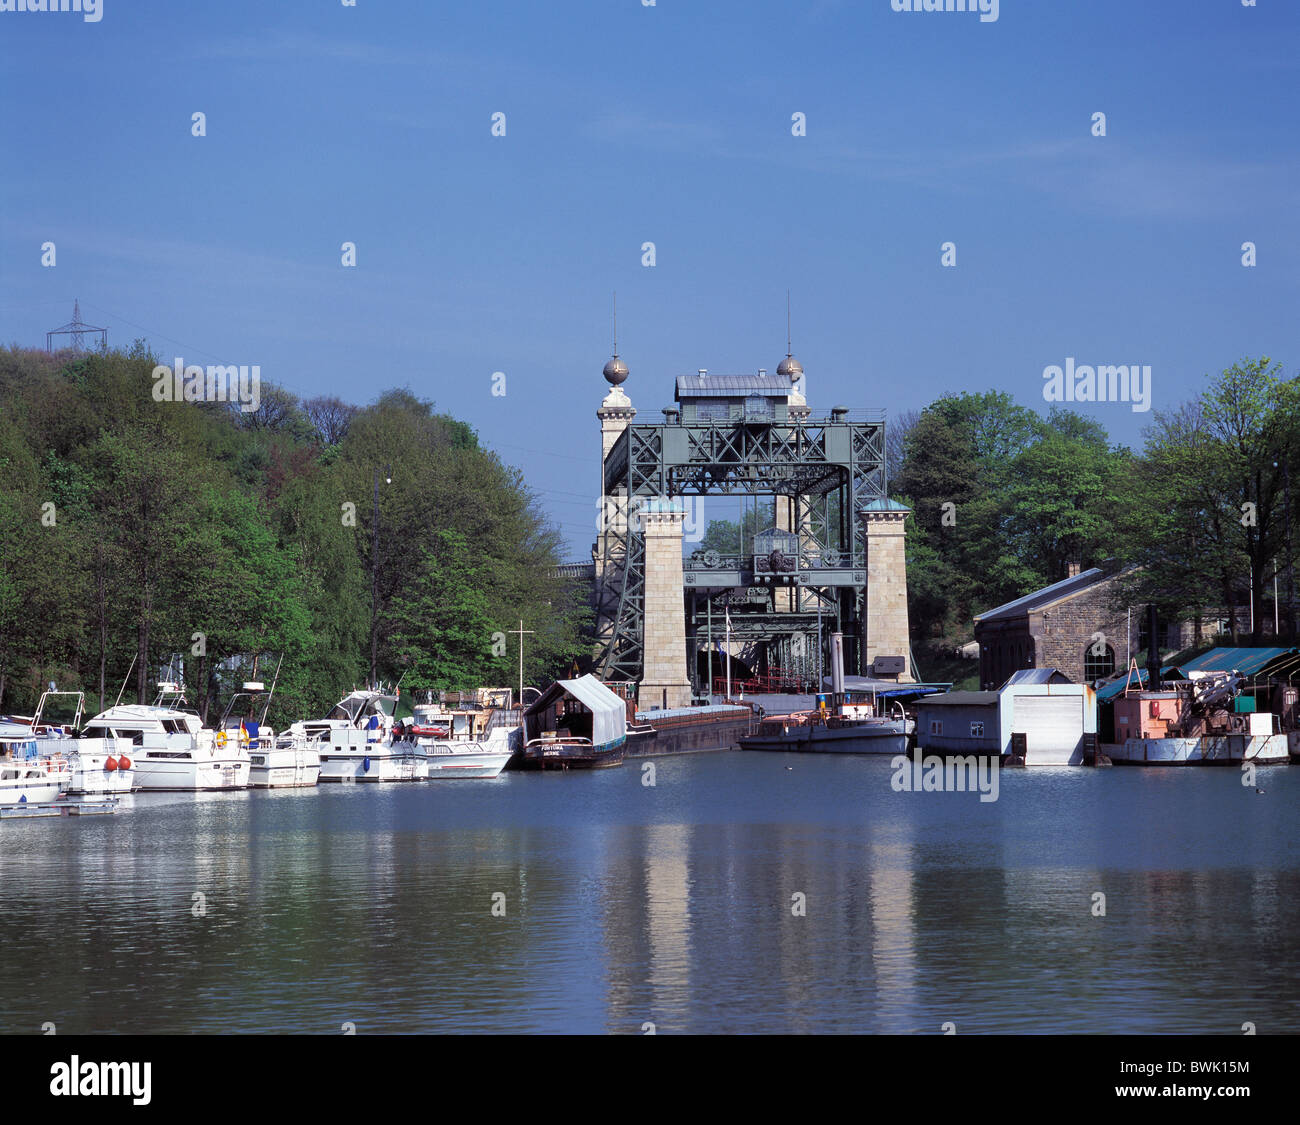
x: 671, y: 124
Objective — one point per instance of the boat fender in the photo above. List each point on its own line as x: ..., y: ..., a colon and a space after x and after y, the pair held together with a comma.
x: 110, y: 765
x: 365, y: 765
x: 124, y: 763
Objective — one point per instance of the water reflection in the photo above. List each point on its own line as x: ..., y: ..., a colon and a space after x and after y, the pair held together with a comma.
x: 619, y: 906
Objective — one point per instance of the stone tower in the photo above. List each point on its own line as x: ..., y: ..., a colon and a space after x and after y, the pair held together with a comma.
x: 884, y: 619
x: 664, y: 681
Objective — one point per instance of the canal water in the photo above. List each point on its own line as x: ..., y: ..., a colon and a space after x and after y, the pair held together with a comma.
x: 739, y: 893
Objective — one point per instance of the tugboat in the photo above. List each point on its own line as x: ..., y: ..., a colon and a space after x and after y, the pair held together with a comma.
x: 575, y: 725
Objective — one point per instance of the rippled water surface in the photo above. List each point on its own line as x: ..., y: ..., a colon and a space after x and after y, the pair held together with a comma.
x: 672, y: 904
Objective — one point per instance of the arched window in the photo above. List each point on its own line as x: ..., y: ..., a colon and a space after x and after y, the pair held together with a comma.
x: 1098, y: 663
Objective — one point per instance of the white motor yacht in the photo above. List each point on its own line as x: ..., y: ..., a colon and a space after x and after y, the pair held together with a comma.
x: 98, y: 766
x: 172, y: 749
x: 467, y: 740
x: 284, y: 761
x: 25, y: 779
x: 359, y: 742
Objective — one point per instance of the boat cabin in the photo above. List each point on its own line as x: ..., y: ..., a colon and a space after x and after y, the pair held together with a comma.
x: 581, y: 710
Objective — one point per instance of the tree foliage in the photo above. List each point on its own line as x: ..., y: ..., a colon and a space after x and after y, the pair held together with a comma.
x: 226, y: 544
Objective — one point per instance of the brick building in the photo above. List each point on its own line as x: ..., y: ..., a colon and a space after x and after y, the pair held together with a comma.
x: 1073, y: 625
x: 1080, y: 626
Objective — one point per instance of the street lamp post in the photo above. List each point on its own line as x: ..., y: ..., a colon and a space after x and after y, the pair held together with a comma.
x: 374, y: 578
x: 1290, y: 592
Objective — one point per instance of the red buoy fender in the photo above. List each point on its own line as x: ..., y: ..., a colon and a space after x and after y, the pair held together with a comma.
x: 124, y: 763
x: 110, y: 765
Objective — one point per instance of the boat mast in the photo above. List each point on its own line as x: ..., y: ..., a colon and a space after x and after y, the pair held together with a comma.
x: 124, y: 680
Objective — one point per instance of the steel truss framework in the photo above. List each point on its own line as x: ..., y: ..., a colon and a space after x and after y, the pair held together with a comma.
x: 830, y: 468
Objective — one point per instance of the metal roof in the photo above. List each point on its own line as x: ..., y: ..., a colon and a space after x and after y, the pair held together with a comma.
x: 961, y: 699
x: 1045, y: 596
x: 732, y: 386
x: 1247, y: 661
x: 1116, y: 686
x: 1038, y: 676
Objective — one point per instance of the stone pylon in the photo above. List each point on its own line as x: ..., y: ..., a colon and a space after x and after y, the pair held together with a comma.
x: 664, y: 678
x: 884, y: 617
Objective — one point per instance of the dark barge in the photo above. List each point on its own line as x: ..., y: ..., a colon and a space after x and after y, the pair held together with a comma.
x: 575, y: 725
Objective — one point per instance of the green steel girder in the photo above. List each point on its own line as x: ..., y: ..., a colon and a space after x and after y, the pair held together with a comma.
x: 808, y: 459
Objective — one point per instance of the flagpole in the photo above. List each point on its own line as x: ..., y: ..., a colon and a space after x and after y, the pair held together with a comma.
x: 709, y: 649
x: 728, y: 654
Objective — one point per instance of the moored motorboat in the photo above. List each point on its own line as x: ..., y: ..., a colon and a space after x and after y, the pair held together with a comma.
x: 359, y: 741
x: 465, y: 740
x: 172, y: 749
x: 284, y: 761
x: 100, y: 765
x: 824, y: 733
x: 24, y: 778
x: 861, y: 720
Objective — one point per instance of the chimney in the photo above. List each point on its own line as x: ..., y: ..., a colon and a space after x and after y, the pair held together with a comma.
x: 1072, y: 569
x: 703, y: 372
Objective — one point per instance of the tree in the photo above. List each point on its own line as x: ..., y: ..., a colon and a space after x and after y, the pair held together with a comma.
x: 444, y: 630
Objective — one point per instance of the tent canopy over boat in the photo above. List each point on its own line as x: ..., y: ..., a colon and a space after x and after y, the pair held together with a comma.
x: 608, y: 711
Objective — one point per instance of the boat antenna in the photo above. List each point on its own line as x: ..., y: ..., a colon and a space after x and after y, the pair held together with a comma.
x: 124, y: 680
x: 274, y: 680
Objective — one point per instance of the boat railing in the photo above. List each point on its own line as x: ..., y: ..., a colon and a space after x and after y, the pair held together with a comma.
x: 503, y: 717
x: 559, y: 738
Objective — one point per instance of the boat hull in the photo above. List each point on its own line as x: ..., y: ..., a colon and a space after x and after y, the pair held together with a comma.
x: 888, y: 738
x: 1217, y: 750
x: 281, y: 768
x: 378, y: 764
x: 87, y: 760
x: 542, y: 757
x: 28, y: 791
x: 467, y: 763
x: 688, y: 731
x: 190, y: 775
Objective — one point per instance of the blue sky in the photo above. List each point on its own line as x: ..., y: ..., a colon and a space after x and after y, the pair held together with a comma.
x: 671, y: 124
